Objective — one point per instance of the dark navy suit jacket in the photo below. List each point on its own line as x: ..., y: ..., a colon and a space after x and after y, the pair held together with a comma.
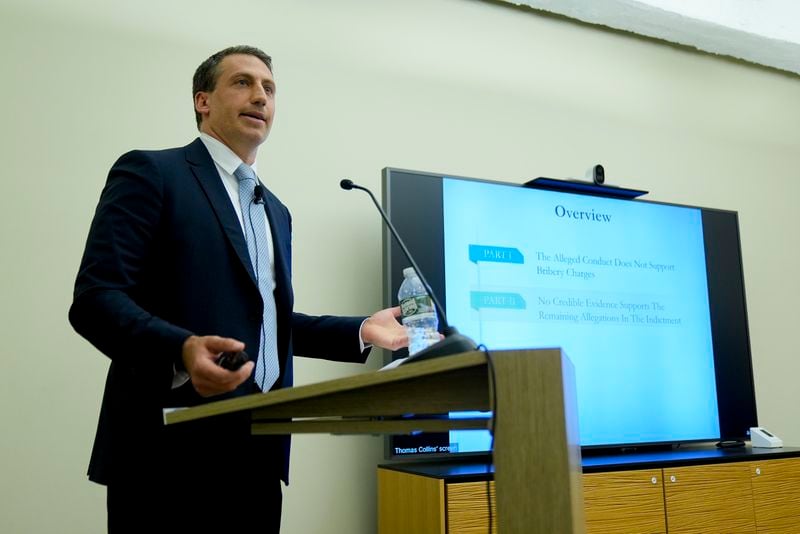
x: 165, y: 259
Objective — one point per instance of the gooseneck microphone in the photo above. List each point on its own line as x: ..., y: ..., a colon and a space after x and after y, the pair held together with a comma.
x: 453, y: 342
x: 348, y: 185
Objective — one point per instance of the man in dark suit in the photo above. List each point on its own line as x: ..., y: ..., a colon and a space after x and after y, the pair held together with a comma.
x: 167, y: 283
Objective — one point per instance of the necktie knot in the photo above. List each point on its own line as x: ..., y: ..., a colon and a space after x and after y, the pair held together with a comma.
x: 244, y: 172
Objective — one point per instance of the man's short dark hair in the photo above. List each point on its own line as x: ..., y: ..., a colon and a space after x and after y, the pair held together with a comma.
x: 207, y: 74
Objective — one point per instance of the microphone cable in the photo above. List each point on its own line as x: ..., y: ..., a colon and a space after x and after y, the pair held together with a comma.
x: 492, y: 429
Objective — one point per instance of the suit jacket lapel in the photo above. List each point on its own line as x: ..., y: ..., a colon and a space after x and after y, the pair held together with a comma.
x: 281, y: 238
x: 280, y: 227
x: 206, y: 173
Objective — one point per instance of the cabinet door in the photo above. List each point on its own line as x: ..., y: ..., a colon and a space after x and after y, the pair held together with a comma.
x: 776, y: 495
x: 624, y: 502
x: 709, y: 499
x: 468, y: 510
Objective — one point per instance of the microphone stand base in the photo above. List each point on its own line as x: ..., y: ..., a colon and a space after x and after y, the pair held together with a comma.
x: 453, y: 344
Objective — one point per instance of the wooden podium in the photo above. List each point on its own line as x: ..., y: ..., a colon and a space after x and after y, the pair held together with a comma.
x: 536, y: 451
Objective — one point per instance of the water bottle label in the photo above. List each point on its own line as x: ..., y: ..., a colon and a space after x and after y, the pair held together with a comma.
x: 416, y: 305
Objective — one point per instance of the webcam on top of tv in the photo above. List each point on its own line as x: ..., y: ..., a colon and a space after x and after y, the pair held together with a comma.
x: 597, y: 174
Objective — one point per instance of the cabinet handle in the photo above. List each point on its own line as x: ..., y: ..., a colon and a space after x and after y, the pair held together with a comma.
x: 672, y: 478
x: 654, y: 480
x: 758, y: 470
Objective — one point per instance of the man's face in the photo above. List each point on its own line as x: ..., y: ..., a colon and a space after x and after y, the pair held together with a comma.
x: 240, y: 109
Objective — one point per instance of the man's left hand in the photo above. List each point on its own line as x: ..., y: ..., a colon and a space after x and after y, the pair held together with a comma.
x: 383, y: 330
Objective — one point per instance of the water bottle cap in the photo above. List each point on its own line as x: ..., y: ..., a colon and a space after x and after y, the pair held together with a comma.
x: 409, y: 272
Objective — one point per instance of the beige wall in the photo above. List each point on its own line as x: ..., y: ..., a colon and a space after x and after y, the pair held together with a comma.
x: 455, y: 86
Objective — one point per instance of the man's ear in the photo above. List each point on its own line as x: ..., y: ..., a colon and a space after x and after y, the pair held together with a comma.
x: 201, y: 103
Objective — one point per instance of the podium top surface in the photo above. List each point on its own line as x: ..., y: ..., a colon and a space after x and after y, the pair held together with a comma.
x: 461, y: 379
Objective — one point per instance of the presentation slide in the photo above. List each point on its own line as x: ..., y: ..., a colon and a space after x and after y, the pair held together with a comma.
x: 619, y: 285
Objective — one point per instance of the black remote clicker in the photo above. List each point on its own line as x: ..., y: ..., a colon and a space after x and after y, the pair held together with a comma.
x: 232, y: 361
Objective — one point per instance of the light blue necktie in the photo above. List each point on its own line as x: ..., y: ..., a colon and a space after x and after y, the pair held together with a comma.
x: 255, y: 231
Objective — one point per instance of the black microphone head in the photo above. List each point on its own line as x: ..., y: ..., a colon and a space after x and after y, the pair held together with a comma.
x: 258, y: 194
x: 346, y: 184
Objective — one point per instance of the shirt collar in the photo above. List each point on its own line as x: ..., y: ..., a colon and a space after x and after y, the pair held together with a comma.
x: 222, y: 155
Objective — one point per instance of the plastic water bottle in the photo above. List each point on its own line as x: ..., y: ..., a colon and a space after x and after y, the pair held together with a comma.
x: 419, y: 313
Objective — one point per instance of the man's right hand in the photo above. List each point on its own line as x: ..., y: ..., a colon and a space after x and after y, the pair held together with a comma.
x: 200, y: 355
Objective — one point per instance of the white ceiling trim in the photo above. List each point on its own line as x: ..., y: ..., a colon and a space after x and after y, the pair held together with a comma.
x: 765, y: 32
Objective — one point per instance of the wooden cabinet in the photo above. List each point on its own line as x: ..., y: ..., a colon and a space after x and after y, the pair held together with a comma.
x: 410, y: 503
x: 756, y: 496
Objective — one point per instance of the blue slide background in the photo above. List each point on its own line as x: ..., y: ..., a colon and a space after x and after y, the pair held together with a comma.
x: 619, y: 285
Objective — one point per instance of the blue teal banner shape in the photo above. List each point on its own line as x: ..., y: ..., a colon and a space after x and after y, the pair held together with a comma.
x: 493, y: 299
x: 495, y: 254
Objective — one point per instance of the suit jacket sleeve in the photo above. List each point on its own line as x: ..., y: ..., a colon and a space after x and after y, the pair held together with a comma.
x: 106, y: 309
x: 328, y: 337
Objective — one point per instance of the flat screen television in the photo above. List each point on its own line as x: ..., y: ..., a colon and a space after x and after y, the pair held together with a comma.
x: 647, y: 300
